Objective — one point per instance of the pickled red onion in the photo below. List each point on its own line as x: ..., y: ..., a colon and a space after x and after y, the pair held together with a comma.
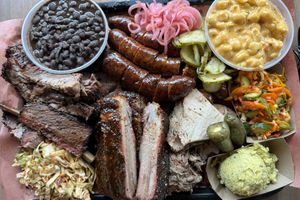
x: 165, y: 22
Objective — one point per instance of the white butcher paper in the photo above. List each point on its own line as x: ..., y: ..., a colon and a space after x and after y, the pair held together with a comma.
x: 190, y: 120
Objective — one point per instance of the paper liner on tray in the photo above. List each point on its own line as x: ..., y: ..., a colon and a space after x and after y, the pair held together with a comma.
x: 284, y: 165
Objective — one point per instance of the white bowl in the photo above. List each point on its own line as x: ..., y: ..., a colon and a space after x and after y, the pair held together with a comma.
x: 286, y: 46
x: 26, y: 29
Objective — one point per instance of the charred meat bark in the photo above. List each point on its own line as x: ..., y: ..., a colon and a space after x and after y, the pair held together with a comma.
x: 26, y: 77
x: 61, y: 91
x: 65, y: 130
x: 82, y: 110
x: 137, y: 103
x: 116, y: 166
x: 154, y: 161
x: 28, y: 137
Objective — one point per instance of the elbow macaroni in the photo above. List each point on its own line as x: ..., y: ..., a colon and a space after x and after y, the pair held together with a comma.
x: 248, y: 33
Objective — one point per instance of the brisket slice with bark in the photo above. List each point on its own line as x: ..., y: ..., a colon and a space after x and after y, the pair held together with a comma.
x: 154, y: 160
x: 137, y: 103
x: 71, y: 93
x: 82, y: 110
x: 116, y: 166
x: 65, y: 130
x: 29, y: 138
x: 32, y: 81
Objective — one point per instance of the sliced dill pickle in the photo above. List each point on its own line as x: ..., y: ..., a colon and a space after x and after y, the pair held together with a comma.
x: 212, y: 87
x: 215, y: 66
x: 189, y: 56
x: 189, y: 38
x: 214, y: 78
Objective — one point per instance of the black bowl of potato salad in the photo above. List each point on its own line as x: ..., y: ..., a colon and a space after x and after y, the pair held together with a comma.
x: 249, y: 35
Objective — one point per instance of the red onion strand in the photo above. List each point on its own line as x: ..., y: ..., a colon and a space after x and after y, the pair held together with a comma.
x: 165, y: 22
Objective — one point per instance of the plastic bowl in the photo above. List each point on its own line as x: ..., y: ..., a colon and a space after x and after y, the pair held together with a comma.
x: 26, y: 29
x: 286, y: 46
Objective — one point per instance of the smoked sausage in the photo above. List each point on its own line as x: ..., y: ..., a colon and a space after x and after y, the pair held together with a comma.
x: 121, y: 22
x: 142, y: 56
x: 136, y: 79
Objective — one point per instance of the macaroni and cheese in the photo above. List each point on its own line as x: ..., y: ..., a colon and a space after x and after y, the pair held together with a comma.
x: 248, y: 33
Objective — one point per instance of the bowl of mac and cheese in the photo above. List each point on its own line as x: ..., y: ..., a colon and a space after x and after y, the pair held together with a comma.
x: 249, y: 35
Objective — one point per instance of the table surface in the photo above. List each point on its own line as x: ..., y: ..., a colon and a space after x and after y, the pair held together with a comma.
x: 10, y: 9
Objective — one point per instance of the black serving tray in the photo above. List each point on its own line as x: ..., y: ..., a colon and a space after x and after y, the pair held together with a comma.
x: 205, y: 193
x: 109, y: 6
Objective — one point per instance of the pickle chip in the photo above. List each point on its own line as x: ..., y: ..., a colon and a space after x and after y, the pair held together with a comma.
x: 189, y: 38
x: 212, y: 87
x: 190, y: 55
x: 215, y: 66
x: 214, y: 78
x: 204, y: 59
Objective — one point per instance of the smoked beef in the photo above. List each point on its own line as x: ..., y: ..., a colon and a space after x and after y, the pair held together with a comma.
x: 153, y: 157
x: 29, y: 138
x: 116, y: 165
x: 71, y: 93
x: 137, y: 104
x: 65, y: 130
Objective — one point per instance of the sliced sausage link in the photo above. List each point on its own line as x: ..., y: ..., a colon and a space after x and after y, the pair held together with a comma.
x: 133, y: 77
x: 161, y: 91
x: 162, y: 61
x: 145, y: 61
x: 114, y: 66
x: 129, y: 49
x: 149, y: 85
x: 145, y: 38
x: 115, y: 39
x: 143, y: 56
x: 189, y: 72
x: 139, y: 80
x: 121, y: 22
x: 178, y: 87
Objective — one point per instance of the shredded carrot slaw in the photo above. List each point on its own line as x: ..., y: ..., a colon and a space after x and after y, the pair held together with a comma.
x: 263, y: 101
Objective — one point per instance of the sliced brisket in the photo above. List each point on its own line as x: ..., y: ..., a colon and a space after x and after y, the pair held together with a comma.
x: 31, y: 139
x: 65, y: 130
x: 137, y: 103
x: 28, y: 137
x: 116, y: 166
x: 154, y: 161
x: 82, y: 110
x: 31, y: 81
x: 36, y: 85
